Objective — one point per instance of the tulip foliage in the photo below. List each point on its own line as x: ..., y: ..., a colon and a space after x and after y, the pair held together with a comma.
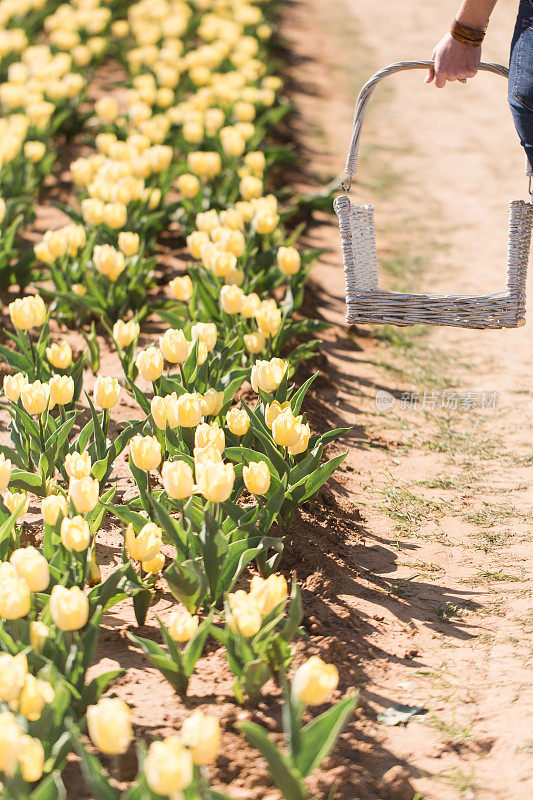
x: 208, y: 412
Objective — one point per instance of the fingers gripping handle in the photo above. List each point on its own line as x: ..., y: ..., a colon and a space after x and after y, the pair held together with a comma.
x: 367, y: 91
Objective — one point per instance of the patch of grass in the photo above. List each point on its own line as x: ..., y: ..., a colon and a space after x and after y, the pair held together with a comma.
x: 486, y: 576
x: 491, y: 514
x: 406, y: 508
x: 452, y: 732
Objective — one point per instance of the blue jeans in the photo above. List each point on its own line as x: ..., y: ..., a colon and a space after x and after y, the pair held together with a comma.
x: 521, y: 76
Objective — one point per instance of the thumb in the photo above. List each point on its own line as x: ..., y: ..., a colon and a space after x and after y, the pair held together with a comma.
x: 430, y: 75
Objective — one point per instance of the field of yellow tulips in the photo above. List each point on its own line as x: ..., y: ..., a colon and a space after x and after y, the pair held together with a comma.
x: 155, y: 445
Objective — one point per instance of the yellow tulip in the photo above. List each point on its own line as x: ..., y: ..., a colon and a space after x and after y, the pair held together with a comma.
x: 59, y: 355
x: 201, y: 734
x: 206, y: 435
x: 128, y: 242
x: 206, y: 332
x: 267, y: 375
x: 5, y: 472
x: 250, y: 187
x: 30, y: 758
x: 106, y: 392
x: 268, y: 320
x: 189, y: 410
x: 35, y: 397
x: 285, y: 430
x: 106, y: 109
x: 34, y: 696
x: 174, y: 346
x: 14, y: 597
x: 146, y: 544
x: 269, y: 592
x: 164, y: 411
x: 288, y: 259
x: 177, y: 479
x: 61, y: 389
x: 182, y: 625
x: 304, y: 434
x: 108, y: 261
x: 92, y: 210
x: 150, y: 363
x: 145, y: 452
x: 181, y: 288
x: 38, y: 635
x: 154, y: 565
x: 211, y: 402
x: 52, y: 506
x: 116, y: 216
x: 314, y: 681
x: 78, y: 465
x: 109, y: 725
x: 84, y: 492
x: 250, y: 305
x: 254, y: 342
x: 125, y: 333
x: 231, y: 298
x: 69, y: 608
x: 188, y: 185
x: 31, y: 565
x: 168, y: 767
x: 12, y: 501
x: 13, y: 671
x: 216, y: 481
x: 75, y: 534
x: 245, y: 613
x: 238, y: 421
x: 13, y: 385
x: 273, y: 410
x: 256, y: 477
x: 11, y: 740
x: 27, y: 312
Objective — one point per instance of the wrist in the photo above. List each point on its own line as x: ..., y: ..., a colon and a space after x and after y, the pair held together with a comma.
x: 471, y: 37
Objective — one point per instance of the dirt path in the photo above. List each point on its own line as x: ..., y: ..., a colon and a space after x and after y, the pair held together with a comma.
x: 441, y: 600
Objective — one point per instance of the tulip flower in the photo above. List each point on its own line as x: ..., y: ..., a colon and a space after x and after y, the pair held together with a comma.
x: 32, y: 566
x: 109, y: 725
x: 69, y: 608
x: 201, y: 734
x: 314, y: 681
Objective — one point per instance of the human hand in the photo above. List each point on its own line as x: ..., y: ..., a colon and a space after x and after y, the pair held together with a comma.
x: 453, y: 61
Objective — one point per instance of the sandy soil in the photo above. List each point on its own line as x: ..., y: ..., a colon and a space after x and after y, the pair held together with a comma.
x: 438, y: 585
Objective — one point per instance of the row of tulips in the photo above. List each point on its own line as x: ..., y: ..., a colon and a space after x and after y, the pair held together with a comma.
x: 219, y: 467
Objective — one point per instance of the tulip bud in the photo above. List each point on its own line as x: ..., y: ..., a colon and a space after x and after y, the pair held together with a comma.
x: 150, y: 363
x: 52, y: 506
x: 146, y: 544
x: 125, y: 333
x: 168, y: 766
x: 189, y: 410
x: 182, y: 625
x: 250, y: 187
x: 75, y: 533
x: 32, y: 566
x: 13, y: 671
x: 109, y: 725
x: 250, y: 305
x: 164, y: 410
x: 34, y: 696
x: 304, y: 434
x: 314, y: 681
x: 177, y: 479
x: 216, y: 481
x: 30, y: 758
x: 273, y: 410
x: 174, y: 346
x: 14, y: 598
x: 38, y: 635
x: 92, y: 210
x: 201, y: 734
x: 268, y: 320
x: 35, y: 397
x: 288, y: 259
x: 181, y: 288
x: 195, y: 242
x: 78, y: 465
x: 238, y: 421
x: 128, y: 242
x: 84, y: 492
x: 188, y: 185
x: 267, y: 375
x: 256, y: 477
x: 106, y: 392
x: 145, y: 452
x: 206, y: 435
x: 61, y: 389
x: 106, y: 109
x: 59, y: 355
x: 5, y: 472
x: 284, y: 429
x: 116, y: 216
x: 13, y: 385
x: 154, y: 565
x: 69, y: 608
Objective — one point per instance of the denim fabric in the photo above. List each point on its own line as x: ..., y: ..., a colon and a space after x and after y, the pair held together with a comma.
x: 521, y: 76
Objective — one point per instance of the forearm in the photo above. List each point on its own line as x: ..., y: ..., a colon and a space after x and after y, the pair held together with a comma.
x: 475, y: 13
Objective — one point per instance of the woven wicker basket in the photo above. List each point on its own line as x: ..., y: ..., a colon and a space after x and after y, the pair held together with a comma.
x: 367, y: 303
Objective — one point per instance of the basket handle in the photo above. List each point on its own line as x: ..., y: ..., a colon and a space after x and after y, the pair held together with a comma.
x: 367, y: 91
